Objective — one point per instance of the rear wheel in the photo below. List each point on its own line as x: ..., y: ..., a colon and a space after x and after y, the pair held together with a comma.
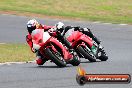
x: 75, y: 61
x: 86, y: 53
x: 56, y: 57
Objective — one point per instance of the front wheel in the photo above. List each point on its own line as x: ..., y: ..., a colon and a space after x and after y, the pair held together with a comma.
x: 86, y: 54
x: 56, y: 57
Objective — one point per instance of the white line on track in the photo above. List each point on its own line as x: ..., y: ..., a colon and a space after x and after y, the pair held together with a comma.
x: 96, y: 22
x: 2, y: 43
x: 107, y: 23
x: 10, y: 63
x: 123, y: 24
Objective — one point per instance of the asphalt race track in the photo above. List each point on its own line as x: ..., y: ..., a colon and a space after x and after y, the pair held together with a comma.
x: 117, y: 40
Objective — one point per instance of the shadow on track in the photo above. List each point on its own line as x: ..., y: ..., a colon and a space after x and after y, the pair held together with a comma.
x: 45, y: 66
x: 90, y: 62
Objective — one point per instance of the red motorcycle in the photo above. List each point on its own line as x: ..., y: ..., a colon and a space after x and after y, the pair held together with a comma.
x: 86, y: 47
x: 54, y: 50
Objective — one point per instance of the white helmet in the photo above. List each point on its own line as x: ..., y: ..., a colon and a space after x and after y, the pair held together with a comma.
x: 31, y: 25
x: 60, y: 26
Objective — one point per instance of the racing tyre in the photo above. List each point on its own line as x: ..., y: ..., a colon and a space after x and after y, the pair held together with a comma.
x: 75, y: 61
x: 56, y: 57
x: 86, y: 54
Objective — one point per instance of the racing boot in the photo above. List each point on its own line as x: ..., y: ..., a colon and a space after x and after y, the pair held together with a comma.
x: 40, y: 60
x: 100, y: 47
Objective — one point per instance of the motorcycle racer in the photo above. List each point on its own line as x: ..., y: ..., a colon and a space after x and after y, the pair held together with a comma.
x: 86, y: 31
x: 33, y: 27
x: 67, y: 31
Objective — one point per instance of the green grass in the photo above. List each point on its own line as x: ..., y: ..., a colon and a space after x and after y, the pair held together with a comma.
x: 115, y: 11
x: 15, y: 53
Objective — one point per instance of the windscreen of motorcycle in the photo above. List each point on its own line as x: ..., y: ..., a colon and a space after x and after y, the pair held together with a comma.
x: 69, y: 32
x: 46, y: 36
x: 37, y: 36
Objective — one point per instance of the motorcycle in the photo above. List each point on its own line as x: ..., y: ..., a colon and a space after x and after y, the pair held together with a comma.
x: 84, y: 46
x: 54, y: 50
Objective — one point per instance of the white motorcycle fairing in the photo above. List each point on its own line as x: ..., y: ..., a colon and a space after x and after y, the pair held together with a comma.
x: 46, y: 36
